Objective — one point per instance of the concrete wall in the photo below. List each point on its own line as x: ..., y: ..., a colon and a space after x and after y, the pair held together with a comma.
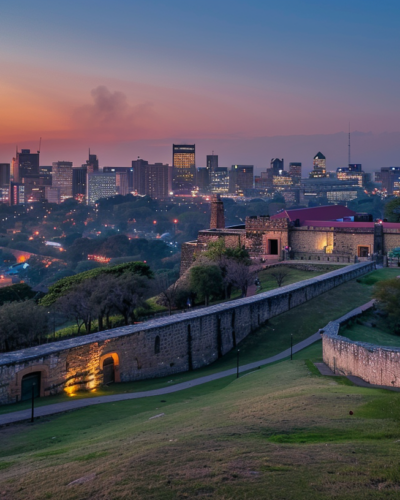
x: 186, y: 341
x: 375, y: 364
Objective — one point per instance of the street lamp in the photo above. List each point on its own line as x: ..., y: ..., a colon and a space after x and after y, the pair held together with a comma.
x: 291, y: 346
x: 237, y: 363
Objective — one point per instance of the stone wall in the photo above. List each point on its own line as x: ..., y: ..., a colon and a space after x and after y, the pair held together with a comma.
x: 375, y: 364
x: 158, y: 347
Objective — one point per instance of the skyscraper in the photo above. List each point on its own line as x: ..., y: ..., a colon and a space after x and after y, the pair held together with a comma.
x: 184, y: 167
x: 79, y: 182
x: 62, y: 177
x: 100, y: 185
x: 319, y: 166
x: 156, y: 180
x: 92, y: 163
x: 25, y: 165
x: 212, y: 162
x: 241, y: 178
x: 295, y: 172
x: 4, y: 182
x: 139, y: 175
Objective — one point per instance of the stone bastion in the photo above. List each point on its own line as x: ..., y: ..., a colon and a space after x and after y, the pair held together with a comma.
x: 158, y: 347
x: 378, y: 365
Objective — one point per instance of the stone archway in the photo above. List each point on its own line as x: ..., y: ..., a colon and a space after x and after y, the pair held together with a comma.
x: 37, y: 373
x: 109, y: 364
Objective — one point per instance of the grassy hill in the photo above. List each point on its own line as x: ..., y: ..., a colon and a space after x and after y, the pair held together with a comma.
x: 279, y: 432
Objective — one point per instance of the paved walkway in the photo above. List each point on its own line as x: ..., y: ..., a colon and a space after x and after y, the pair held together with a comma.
x: 19, y: 416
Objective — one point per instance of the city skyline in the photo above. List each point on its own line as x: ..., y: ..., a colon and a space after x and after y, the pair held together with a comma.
x: 229, y: 72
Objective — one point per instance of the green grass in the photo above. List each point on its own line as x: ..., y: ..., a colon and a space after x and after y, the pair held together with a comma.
x: 281, y: 432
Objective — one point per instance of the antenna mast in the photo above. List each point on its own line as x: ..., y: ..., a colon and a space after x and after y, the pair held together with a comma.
x: 349, y: 146
x: 40, y: 143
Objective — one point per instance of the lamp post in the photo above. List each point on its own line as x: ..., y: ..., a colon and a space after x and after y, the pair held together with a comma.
x: 33, y: 402
x: 237, y: 363
x: 291, y: 346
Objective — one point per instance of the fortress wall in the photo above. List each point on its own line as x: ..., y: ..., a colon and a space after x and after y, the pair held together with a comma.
x: 158, y: 347
x: 374, y: 364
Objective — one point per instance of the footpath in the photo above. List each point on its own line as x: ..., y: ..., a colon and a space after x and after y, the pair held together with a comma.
x: 43, y: 411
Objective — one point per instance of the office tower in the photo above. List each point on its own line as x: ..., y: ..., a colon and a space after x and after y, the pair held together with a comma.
x: 295, y: 172
x: 128, y: 170
x: 121, y: 183
x: 79, y: 182
x: 184, y: 167
x: 319, y: 166
x: 156, y: 180
x: 354, y: 173
x: 17, y: 193
x: 282, y: 180
x: 390, y: 179
x: 276, y: 166
x: 219, y: 180
x: 139, y: 175
x: 4, y: 182
x: 203, y: 178
x: 25, y: 165
x: 100, y: 185
x: 45, y: 175
x: 92, y: 164
x: 52, y: 194
x: 62, y: 177
x: 212, y: 162
x: 241, y: 178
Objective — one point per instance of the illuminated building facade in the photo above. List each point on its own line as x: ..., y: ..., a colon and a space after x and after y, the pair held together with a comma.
x: 17, y: 193
x: 4, y: 182
x: 62, y: 178
x: 219, y: 180
x: 52, y: 194
x: 212, y: 162
x: 352, y: 173
x: 183, y: 167
x: 156, y: 181
x: 241, y: 178
x: 390, y: 179
x: 100, y: 185
x: 295, y: 172
x: 129, y: 171
x: 319, y: 166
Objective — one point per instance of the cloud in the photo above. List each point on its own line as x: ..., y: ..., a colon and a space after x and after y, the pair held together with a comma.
x: 110, y: 116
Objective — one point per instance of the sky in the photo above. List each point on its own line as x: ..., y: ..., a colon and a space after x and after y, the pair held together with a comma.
x: 248, y: 80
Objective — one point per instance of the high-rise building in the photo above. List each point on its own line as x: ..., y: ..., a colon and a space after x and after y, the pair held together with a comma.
x: 52, y: 194
x: 79, y: 182
x: 25, y: 165
x: 4, y: 182
x: 122, y: 183
x: 295, y: 172
x: 128, y: 170
x: 390, y: 179
x: 275, y: 169
x: 17, y: 193
x: 212, y: 162
x: 319, y: 166
x: 156, y: 181
x: 100, y: 185
x: 241, y: 178
x: 45, y: 175
x: 139, y: 175
x: 183, y: 167
x: 203, y: 178
x: 92, y: 163
x: 62, y: 177
x: 354, y: 173
x: 219, y: 180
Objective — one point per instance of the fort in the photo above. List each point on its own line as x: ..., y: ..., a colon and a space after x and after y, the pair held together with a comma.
x: 332, y: 233
x: 156, y: 348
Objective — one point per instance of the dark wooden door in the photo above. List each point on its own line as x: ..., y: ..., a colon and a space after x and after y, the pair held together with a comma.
x: 26, y: 386
x: 108, y: 371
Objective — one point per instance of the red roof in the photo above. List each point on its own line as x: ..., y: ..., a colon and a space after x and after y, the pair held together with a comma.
x: 327, y: 213
x: 318, y: 223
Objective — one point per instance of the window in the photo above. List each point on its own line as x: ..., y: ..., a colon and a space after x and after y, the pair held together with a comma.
x: 157, y: 345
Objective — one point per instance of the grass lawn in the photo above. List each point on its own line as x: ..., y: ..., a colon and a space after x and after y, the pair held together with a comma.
x: 281, y: 432
x: 267, y: 341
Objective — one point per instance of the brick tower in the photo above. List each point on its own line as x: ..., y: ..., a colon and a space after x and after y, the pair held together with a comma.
x: 217, y: 213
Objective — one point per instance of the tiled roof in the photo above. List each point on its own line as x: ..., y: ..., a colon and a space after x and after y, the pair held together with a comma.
x: 330, y: 212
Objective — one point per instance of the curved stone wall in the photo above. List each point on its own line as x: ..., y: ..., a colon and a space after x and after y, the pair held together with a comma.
x: 162, y: 346
x: 378, y: 365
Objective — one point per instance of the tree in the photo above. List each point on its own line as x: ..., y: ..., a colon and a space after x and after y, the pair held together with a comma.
x: 77, y: 305
x: 22, y: 324
x: 387, y: 293
x: 280, y: 275
x: 127, y: 293
x: 240, y: 276
x: 167, y: 291
x: 206, y: 281
x: 392, y: 210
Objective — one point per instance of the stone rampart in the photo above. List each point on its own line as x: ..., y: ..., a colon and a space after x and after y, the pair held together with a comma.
x: 378, y: 365
x: 159, y: 347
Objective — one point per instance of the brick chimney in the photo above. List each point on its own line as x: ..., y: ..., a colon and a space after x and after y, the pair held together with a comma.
x: 217, y: 213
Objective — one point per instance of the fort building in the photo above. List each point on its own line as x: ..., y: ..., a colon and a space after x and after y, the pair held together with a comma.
x: 331, y: 233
